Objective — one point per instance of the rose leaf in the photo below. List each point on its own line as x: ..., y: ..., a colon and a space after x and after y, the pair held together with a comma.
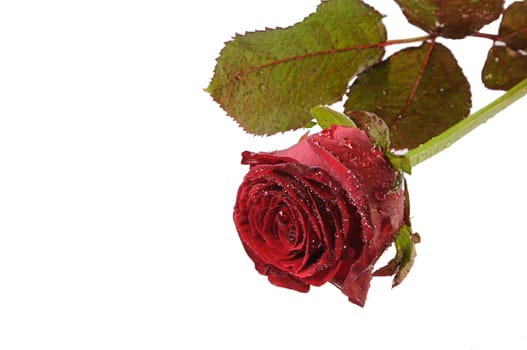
x: 513, y: 27
x: 451, y: 19
x: 504, y: 68
x: 506, y: 63
x: 419, y: 92
x: 269, y: 80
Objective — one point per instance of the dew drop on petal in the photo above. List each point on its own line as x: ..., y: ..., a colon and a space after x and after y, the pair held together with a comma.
x: 380, y: 196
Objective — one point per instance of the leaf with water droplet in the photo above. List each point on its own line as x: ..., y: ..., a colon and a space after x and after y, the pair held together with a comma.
x: 506, y: 63
x: 327, y: 117
x: 451, y: 19
x: 419, y: 92
x: 269, y: 80
x: 513, y: 26
x: 504, y: 68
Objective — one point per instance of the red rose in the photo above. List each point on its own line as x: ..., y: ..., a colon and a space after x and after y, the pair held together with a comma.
x: 323, y: 210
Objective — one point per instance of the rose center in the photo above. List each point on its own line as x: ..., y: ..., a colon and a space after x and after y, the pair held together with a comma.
x: 285, y: 227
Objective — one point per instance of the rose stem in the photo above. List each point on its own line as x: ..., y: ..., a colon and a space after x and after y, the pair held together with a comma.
x: 454, y: 133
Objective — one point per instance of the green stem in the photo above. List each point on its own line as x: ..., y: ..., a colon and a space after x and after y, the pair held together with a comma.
x: 454, y: 133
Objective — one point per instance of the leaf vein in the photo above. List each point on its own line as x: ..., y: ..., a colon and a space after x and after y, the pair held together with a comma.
x: 328, y: 52
x: 418, y: 78
x: 300, y: 57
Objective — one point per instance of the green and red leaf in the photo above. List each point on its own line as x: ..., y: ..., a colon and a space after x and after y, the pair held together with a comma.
x: 506, y: 63
x: 269, y: 80
x: 504, y: 68
x: 419, y: 92
x: 451, y: 18
x: 513, y: 27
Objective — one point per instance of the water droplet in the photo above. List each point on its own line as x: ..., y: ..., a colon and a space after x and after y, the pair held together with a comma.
x: 380, y: 196
x: 439, y: 24
x: 348, y: 143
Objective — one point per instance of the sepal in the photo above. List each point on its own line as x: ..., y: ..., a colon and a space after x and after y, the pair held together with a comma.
x: 379, y: 133
x: 327, y: 117
x: 404, y: 243
x: 400, y: 162
x: 404, y: 258
x: 374, y: 126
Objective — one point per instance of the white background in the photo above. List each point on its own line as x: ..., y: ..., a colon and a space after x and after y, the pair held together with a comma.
x: 118, y: 176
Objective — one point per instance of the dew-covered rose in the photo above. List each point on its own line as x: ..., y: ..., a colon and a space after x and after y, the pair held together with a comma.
x: 323, y: 210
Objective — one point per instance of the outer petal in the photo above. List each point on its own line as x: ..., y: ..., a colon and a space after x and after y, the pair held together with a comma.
x: 285, y: 280
x: 276, y: 276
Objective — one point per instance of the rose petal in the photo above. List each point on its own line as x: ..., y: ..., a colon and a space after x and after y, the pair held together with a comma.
x: 285, y: 280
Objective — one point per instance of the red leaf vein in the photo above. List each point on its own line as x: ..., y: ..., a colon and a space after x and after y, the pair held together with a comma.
x: 240, y: 75
x: 418, y: 79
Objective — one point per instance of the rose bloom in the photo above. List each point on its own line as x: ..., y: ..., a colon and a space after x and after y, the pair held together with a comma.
x: 323, y: 210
